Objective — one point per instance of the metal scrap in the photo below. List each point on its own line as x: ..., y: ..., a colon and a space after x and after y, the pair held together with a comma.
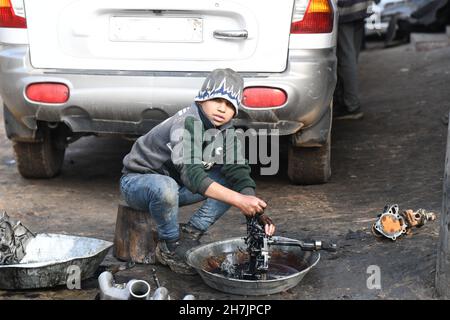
x: 14, y: 238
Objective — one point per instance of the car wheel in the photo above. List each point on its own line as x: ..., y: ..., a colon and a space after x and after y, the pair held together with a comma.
x: 309, y: 165
x: 41, y: 159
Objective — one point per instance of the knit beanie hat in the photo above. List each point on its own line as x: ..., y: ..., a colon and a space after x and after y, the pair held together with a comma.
x: 222, y: 83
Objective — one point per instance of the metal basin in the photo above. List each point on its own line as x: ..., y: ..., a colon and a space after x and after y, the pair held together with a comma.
x: 48, y: 257
x: 293, y: 257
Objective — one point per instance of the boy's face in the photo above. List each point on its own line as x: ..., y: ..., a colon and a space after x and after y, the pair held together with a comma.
x: 218, y: 110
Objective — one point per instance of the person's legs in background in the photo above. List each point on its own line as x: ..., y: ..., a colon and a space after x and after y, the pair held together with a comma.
x: 346, y: 101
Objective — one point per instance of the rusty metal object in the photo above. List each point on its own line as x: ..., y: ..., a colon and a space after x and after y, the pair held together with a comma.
x: 48, y: 259
x: 392, y: 224
x: 418, y: 218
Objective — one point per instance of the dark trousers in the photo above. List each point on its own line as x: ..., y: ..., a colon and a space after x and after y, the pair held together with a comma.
x: 350, y: 36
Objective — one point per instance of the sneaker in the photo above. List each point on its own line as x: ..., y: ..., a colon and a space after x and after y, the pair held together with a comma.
x: 342, y: 114
x: 188, y: 231
x: 173, y: 255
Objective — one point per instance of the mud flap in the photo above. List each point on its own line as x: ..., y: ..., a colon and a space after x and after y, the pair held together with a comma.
x: 317, y: 135
x: 16, y: 130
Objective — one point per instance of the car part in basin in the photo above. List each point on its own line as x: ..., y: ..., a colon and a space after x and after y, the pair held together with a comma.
x: 292, y: 256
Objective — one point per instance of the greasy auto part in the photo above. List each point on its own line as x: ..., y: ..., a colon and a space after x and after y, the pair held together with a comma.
x: 390, y: 223
x: 258, y: 244
x: 393, y: 224
x: 257, y: 248
x: 418, y: 218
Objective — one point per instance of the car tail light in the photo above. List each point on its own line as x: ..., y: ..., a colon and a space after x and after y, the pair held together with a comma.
x: 48, y: 92
x: 312, y: 16
x: 263, y: 97
x: 12, y: 14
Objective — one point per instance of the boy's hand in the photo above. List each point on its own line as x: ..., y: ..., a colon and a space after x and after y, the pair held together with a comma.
x: 269, y: 227
x: 251, y: 205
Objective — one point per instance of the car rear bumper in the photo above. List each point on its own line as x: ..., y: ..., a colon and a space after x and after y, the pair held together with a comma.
x: 133, y: 102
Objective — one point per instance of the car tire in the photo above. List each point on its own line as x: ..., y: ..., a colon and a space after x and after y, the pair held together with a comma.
x: 309, y: 165
x: 40, y: 160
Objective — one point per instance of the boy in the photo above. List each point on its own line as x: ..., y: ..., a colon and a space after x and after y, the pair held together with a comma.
x: 166, y: 168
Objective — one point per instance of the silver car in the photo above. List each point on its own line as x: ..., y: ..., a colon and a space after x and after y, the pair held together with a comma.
x: 70, y: 68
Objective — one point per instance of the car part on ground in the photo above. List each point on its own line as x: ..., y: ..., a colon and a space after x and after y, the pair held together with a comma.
x: 392, y: 224
x: 109, y: 290
x: 132, y: 290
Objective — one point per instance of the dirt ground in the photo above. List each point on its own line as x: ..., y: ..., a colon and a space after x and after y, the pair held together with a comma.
x: 394, y: 155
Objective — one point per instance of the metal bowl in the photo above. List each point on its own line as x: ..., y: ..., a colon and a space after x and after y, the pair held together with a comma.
x: 47, y: 259
x: 292, y: 256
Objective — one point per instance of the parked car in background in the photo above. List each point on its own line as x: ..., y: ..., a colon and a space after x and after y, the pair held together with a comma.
x: 396, y: 19
x: 378, y: 23
x: 74, y: 68
x: 417, y: 16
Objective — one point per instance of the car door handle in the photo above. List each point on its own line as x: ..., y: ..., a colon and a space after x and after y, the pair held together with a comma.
x: 231, y: 34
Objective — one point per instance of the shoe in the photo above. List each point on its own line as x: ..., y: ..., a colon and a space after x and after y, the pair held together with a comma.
x: 188, y: 231
x: 173, y: 255
x: 342, y: 114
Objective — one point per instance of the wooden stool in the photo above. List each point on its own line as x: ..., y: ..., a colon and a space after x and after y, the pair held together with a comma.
x: 135, y: 237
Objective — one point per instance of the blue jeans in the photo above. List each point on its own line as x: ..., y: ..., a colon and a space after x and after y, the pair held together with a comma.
x: 162, y: 196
